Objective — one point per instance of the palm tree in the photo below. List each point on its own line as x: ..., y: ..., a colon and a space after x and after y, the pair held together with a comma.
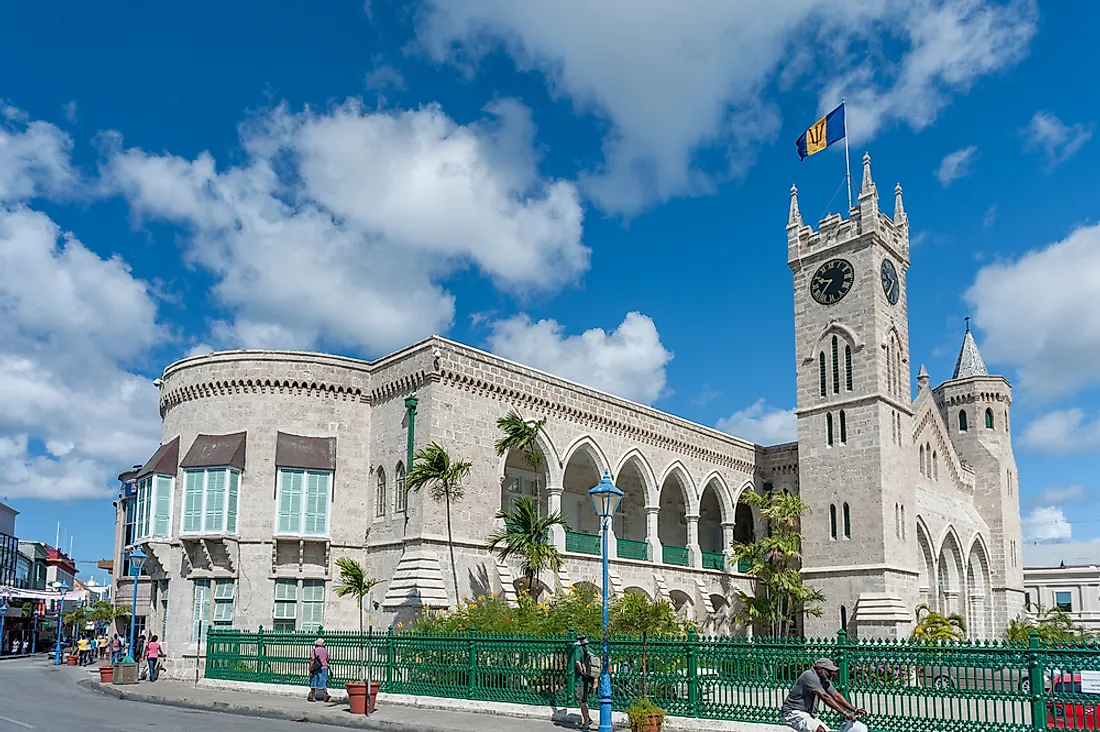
x: 75, y: 617
x: 355, y: 583
x: 104, y: 612
x: 933, y: 626
x: 521, y: 435
x: 433, y: 468
x: 526, y: 536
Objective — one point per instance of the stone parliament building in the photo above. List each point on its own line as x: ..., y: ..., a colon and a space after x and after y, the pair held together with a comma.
x: 274, y: 464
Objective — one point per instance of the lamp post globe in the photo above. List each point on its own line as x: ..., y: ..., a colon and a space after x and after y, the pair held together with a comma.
x: 137, y: 564
x: 605, y: 500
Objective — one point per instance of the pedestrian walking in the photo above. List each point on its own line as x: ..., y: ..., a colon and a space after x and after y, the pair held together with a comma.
x: 585, y: 671
x: 318, y: 672
x: 82, y: 648
x: 101, y: 646
x: 799, y: 710
x: 26, y: 646
x: 116, y: 649
x: 152, y: 655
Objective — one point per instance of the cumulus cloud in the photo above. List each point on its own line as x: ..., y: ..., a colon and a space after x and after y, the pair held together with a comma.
x: 1046, y: 523
x: 339, y: 226
x: 1061, y: 432
x: 1038, y: 313
x: 676, y: 79
x: 762, y: 424
x: 629, y: 361
x: 1054, y: 138
x: 71, y: 323
x: 956, y: 165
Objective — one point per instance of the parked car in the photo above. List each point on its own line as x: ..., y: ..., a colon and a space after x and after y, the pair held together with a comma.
x: 1071, y: 707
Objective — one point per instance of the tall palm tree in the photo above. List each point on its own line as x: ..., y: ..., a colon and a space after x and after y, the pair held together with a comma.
x: 526, y: 536
x: 933, y: 626
x: 355, y: 583
x: 521, y: 435
x: 434, y: 469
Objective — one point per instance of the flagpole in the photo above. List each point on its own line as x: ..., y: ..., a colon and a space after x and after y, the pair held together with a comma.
x: 847, y: 156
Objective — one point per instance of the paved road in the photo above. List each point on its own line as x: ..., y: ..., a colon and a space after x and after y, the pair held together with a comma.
x: 37, y: 697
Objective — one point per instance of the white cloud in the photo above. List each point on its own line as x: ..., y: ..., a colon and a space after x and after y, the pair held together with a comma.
x: 68, y: 110
x: 989, y: 218
x: 383, y: 77
x: 340, y: 226
x: 1061, y: 496
x: 629, y: 361
x: 674, y: 79
x: 1054, y: 138
x: 762, y: 424
x: 956, y: 165
x: 1061, y: 432
x: 1038, y: 313
x: 1046, y: 523
x: 70, y: 324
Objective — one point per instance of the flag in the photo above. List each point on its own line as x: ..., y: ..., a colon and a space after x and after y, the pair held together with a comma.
x: 824, y: 132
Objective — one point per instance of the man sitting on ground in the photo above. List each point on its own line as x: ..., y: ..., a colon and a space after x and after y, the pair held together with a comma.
x: 813, y: 686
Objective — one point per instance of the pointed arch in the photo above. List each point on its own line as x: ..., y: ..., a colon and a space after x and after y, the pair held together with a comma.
x: 950, y: 565
x: 746, y: 486
x: 839, y: 328
x: 645, y: 470
x: 978, y: 588
x: 687, y: 485
x: 926, y: 583
x: 587, y: 443
x: 722, y: 491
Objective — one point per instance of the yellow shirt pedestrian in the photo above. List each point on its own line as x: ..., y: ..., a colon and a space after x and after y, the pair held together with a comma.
x: 82, y: 645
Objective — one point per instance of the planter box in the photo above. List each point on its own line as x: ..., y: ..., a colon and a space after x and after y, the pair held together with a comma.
x: 124, y: 673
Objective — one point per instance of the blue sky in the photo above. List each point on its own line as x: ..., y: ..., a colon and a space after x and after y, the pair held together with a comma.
x: 599, y: 189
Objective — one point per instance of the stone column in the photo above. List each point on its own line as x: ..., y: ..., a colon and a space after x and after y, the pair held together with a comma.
x: 553, y: 506
x: 651, y: 537
x: 727, y: 539
x: 695, y: 554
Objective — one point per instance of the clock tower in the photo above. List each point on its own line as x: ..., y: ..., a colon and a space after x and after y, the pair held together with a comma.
x: 855, y: 414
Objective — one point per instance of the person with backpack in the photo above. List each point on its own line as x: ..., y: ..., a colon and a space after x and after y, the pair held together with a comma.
x: 586, y: 669
x: 318, y: 672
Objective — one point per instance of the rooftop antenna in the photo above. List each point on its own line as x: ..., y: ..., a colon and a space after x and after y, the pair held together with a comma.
x: 967, y: 319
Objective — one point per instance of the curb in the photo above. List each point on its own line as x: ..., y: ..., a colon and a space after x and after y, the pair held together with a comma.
x: 246, y: 710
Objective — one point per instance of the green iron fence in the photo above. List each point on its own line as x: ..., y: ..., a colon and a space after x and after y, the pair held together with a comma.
x: 631, y: 549
x: 905, y: 686
x: 677, y: 555
x: 582, y: 543
x: 714, y: 560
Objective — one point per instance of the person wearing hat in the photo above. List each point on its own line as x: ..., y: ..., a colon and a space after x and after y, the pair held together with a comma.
x: 584, y: 678
x: 799, y: 710
x: 318, y: 672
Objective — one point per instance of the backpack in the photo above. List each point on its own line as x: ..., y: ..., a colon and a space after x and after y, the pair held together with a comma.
x: 593, y: 665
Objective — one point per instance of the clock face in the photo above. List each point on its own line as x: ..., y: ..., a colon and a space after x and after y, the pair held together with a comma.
x: 832, y: 281
x: 891, y: 285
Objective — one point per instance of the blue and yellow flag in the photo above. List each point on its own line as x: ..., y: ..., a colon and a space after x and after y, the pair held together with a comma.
x: 824, y: 132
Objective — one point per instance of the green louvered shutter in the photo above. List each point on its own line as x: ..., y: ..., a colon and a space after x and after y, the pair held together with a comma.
x: 317, y: 503
x: 163, y: 509
x: 192, y: 501
x: 290, y: 501
x: 215, y: 500
x: 231, y: 508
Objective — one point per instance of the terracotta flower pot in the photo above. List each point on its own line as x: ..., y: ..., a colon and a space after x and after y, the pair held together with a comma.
x: 652, y: 724
x: 106, y: 674
x: 357, y: 696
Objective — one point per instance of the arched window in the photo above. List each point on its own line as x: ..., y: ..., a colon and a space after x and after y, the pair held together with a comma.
x: 935, y: 466
x: 380, y: 494
x: 848, y: 367
x: 836, y: 367
x: 832, y: 520
x: 844, y: 618
x: 847, y: 522
x: 400, y: 492
x: 843, y: 428
x: 821, y: 372
x: 989, y: 419
x: 829, y: 429
x: 922, y: 470
x: 962, y: 420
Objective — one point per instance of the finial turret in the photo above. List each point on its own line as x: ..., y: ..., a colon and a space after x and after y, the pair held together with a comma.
x: 868, y: 182
x: 970, y: 361
x: 794, y: 218
x: 899, y: 208
x: 922, y: 378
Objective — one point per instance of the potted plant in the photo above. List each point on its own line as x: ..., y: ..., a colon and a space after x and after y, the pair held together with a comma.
x: 106, y: 673
x: 355, y: 583
x: 645, y: 716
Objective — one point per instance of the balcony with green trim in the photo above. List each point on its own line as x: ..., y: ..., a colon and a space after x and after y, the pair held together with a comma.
x: 675, y: 555
x: 714, y: 560
x: 582, y: 543
x: 631, y: 549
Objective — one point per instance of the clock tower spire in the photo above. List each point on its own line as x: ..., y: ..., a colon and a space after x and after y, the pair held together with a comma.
x: 854, y: 412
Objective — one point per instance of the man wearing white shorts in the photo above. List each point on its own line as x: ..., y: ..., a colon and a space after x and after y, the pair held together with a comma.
x: 813, y: 686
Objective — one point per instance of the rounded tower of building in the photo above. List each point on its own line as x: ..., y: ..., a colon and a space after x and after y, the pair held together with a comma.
x: 976, y: 407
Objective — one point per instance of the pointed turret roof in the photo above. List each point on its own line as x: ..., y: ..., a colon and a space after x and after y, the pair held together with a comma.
x: 970, y: 361
x: 794, y: 218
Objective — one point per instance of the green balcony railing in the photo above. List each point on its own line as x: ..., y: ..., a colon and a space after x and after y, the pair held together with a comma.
x: 743, y: 565
x: 984, y: 686
x: 582, y: 543
x: 714, y: 560
x: 631, y: 549
x: 677, y: 555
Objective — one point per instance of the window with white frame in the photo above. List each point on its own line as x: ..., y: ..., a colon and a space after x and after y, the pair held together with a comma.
x: 303, y: 502
x: 400, y: 492
x: 380, y: 494
x: 200, y: 608
x: 289, y: 595
x: 224, y: 595
x: 210, y: 497
x: 153, y: 512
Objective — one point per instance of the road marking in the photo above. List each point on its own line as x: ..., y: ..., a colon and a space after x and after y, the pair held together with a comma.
x: 16, y: 721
